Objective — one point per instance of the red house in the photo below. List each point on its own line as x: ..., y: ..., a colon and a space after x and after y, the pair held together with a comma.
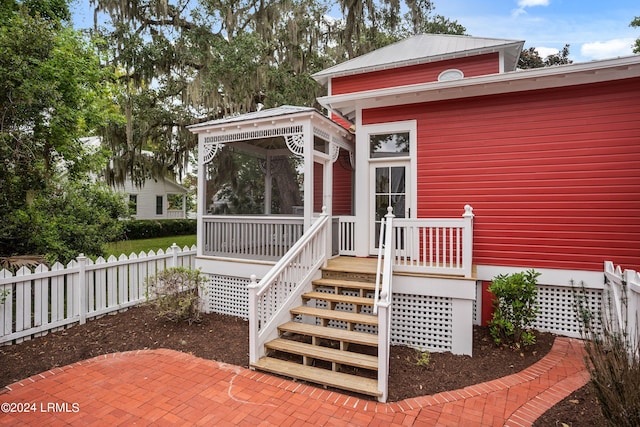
x: 487, y: 169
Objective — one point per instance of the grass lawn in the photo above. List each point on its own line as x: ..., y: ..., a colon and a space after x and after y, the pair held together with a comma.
x: 136, y: 246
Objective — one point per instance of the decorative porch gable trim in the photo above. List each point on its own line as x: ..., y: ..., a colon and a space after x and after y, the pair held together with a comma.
x: 211, y: 143
x: 293, y: 136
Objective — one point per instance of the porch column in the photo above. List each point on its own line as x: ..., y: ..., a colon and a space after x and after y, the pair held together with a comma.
x: 362, y: 191
x: 308, y: 174
x: 327, y: 186
x: 267, y: 186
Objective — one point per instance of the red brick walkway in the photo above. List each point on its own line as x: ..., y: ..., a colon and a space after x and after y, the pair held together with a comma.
x: 166, y: 387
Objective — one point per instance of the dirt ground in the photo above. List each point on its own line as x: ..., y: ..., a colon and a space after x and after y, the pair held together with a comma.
x: 225, y: 338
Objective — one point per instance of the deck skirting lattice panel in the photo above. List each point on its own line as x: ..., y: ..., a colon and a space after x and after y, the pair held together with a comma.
x: 227, y: 295
x: 557, y: 306
x: 422, y: 321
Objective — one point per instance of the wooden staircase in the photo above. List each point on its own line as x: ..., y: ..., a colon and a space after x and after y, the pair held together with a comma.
x: 331, y: 339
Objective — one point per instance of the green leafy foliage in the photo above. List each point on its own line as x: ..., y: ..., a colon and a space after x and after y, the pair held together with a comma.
x: 63, y: 221
x: 635, y: 23
x: 423, y: 358
x: 175, y: 292
x: 149, y: 228
x: 51, y: 94
x: 515, y: 308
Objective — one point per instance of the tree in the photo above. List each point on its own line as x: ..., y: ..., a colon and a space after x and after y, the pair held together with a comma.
x: 182, y: 62
x: 636, y: 24
x: 530, y: 58
x: 51, y: 94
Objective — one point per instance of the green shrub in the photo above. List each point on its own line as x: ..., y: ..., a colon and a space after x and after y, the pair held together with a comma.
x: 515, y: 308
x: 175, y: 292
x: 149, y: 228
x: 423, y: 358
x: 613, y: 359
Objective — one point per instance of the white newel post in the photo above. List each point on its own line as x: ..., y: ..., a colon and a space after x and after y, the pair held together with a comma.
x: 253, y: 320
x: 174, y: 255
x: 384, y: 338
x: 82, y: 288
x: 467, y: 239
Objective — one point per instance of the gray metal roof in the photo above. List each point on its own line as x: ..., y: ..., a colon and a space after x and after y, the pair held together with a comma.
x: 255, y: 115
x: 424, y: 48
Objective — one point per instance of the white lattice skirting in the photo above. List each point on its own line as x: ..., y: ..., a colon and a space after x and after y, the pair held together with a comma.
x: 424, y: 322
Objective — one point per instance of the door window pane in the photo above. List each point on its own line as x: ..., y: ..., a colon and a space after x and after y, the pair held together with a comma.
x: 390, y: 190
x: 382, y: 180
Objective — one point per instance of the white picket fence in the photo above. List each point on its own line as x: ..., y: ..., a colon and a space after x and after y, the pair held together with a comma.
x: 622, y: 288
x: 45, y: 299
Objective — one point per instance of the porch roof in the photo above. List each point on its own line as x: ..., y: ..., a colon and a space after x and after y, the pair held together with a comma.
x: 284, y: 110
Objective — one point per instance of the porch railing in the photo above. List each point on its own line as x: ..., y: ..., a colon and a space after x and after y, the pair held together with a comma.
x: 175, y: 213
x: 280, y: 290
x: 252, y: 237
x: 422, y: 245
x: 346, y: 235
x: 436, y: 246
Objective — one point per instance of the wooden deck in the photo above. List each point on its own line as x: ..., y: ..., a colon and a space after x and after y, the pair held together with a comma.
x: 353, y: 264
x: 368, y: 266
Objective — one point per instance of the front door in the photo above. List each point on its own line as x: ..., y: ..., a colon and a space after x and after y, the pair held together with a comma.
x: 391, y: 184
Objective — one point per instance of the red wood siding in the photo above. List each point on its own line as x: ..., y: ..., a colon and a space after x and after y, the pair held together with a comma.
x: 317, y: 187
x: 553, y: 176
x: 342, y: 185
x: 472, y: 66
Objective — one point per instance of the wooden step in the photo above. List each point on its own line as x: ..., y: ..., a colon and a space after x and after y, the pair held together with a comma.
x: 337, y: 298
x: 346, y: 316
x: 345, y: 284
x: 335, y: 334
x: 321, y: 376
x: 332, y: 355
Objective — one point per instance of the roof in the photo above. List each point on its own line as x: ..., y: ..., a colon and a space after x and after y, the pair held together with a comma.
x: 515, y: 81
x: 255, y: 115
x: 424, y: 48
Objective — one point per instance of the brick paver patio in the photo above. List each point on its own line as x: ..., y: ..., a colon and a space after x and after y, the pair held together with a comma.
x: 166, y: 387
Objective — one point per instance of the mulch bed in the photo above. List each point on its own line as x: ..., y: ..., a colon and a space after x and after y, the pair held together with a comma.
x: 226, y: 339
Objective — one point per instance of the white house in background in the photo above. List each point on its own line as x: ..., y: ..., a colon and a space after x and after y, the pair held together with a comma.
x: 159, y: 198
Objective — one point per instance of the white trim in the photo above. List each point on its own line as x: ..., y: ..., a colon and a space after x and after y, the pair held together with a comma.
x: 549, y: 276
x: 450, y: 75
x: 363, y: 174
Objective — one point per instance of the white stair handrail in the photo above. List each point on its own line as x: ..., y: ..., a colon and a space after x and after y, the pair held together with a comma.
x: 385, y: 264
x: 382, y: 304
x: 298, y: 265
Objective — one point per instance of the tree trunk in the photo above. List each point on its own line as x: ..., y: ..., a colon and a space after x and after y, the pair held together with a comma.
x: 286, y: 183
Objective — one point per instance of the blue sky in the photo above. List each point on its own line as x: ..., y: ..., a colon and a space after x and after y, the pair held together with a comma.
x: 595, y: 29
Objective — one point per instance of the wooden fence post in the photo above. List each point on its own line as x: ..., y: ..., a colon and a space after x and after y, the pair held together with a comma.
x: 82, y: 288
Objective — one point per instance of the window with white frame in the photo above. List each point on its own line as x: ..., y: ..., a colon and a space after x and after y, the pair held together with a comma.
x: 159, y: 205
x: 396, y: 144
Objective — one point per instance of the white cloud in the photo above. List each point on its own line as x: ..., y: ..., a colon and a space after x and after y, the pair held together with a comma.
x: 546, y: 51
x: 528, y: 3
x: 531, y: 3
x: 608, y: 49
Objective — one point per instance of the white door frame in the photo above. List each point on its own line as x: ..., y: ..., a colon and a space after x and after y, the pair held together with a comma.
x: 364, y: 165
